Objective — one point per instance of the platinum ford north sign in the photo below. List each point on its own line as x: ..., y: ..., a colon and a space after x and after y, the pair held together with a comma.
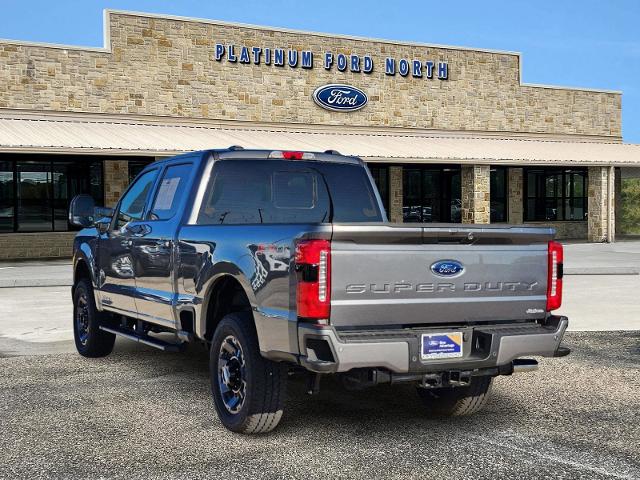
x: 340, y: 98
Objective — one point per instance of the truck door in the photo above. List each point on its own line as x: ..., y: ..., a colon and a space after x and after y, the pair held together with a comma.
x: 153, y: 244
x: 117, y: 272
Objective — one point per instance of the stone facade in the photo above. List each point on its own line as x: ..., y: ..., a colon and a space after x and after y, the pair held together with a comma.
x: 162, y: 66
x: 598, y: 219
x: 516, y: 192
x: 27, y: 246
x: 395, y: 194
x: 116, y: 180
x: 475, y: 193
x: 158, y: 66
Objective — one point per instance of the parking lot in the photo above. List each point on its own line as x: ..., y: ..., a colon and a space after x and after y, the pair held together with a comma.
x: 140, y: 413
x: 143, y: 414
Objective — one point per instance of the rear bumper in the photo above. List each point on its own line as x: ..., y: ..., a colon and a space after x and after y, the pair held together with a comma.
x: 326, y: 350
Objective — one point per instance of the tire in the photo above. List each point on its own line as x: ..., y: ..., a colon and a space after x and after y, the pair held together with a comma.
x: 248, y: 390
x: 457, y: 402
x: 90, y: 340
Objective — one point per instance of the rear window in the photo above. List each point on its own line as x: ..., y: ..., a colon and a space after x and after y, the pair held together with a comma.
x: 276, y: 191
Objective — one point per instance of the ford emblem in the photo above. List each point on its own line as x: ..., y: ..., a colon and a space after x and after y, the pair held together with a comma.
x: 340, y: 98
x: 447, y: 268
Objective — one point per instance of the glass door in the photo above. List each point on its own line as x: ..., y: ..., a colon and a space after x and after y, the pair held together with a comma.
x: 431, y: 194
x: 34, y: 197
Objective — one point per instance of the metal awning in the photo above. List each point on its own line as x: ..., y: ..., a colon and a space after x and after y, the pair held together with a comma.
x: 120, y: 137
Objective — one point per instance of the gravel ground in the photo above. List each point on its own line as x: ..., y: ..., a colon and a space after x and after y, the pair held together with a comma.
x: 145, y: 414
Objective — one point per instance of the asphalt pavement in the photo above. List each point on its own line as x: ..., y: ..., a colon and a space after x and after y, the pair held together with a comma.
x: 140, y: 413
x: 144, y: 414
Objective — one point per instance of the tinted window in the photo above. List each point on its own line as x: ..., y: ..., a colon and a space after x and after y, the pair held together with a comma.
x: 555, y: 194
x: 170, y: 192
x: 272, y: 191
x: 6, y: 196
x: 498, y: 189
x: 132, y: 204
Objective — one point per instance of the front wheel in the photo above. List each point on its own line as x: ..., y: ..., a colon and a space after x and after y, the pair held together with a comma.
x: 248, y: 390
x: 90, y: 340
x: 459, y: 401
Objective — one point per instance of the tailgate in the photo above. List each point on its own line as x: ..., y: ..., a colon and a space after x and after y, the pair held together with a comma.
x: 408, y: 275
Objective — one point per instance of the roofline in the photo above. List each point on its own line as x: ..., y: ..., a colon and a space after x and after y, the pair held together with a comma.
x: 106, y: 48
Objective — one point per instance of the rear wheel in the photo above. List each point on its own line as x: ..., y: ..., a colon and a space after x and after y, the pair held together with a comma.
x: 459, y: 401
x: 248, y: 390
x: 90, y: 340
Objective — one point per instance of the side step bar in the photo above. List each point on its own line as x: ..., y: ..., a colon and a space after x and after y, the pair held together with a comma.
x: 147, y: 340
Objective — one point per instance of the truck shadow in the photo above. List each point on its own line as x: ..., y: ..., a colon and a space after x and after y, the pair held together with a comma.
x: 379, y: 409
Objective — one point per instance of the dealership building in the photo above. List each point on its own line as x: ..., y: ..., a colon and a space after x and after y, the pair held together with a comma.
x: 450, y: 134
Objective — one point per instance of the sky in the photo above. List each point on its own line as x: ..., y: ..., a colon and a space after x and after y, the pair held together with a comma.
x: 584, y: 43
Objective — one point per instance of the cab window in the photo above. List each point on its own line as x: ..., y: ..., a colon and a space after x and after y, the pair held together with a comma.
x: 171, y: 191
x: 132, y: 204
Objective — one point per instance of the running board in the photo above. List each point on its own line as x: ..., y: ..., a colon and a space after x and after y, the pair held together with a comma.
x: 147, y: 340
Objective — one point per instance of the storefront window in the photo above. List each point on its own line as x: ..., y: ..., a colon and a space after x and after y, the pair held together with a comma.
x: 431, y: 194
x: 34, y: 197
x: 498, y: 189
x: 6, y: 196
x: 35, y: 190
x: 380, y: 176
x: 136, y: 166
x: 555, y: 194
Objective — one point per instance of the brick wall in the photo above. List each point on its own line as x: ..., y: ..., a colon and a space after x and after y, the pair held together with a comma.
x: 28, y: 246
x: 167, y: 67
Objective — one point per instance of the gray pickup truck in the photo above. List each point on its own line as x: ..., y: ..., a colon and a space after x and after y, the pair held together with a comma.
x: 282, y: 260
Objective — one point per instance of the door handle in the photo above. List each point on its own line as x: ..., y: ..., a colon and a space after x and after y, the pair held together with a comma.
x: 138, y: 230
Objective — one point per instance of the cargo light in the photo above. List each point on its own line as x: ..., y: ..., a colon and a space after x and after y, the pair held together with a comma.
x: 554, y: 276
x: 292, y: 155
x: 313, y: 269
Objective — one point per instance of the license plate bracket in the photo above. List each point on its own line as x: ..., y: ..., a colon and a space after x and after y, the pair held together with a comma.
x: 441, y: 345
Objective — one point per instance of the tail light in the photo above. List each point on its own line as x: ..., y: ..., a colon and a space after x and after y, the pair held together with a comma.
x: 292, y: 155
x: 554, y: 276
x: 313, y: 266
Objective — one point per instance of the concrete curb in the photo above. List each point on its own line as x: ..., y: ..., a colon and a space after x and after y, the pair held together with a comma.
x: 602, y: 271
x: 35, y: 283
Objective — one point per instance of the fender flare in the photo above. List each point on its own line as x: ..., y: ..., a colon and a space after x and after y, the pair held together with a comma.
x: 220, y: 271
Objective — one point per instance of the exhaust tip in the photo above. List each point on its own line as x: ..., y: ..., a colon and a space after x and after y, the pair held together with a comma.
x: 522, y: 365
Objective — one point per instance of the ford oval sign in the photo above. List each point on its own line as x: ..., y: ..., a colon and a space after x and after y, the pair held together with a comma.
x: 340, y: 98
x: 447, y: 268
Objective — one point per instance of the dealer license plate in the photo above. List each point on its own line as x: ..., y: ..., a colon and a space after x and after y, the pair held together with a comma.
x: 441, y: 345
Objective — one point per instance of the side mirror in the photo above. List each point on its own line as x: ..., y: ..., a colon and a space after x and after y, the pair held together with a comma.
x: 100, y: 212
x: 81, y: 211
x: 103, y: 225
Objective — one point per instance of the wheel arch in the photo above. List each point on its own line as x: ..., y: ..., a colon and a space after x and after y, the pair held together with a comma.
x: 83, y: 266
x: 227, y: 293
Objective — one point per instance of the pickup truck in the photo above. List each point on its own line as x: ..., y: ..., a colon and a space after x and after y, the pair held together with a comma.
x: 284, y: 260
